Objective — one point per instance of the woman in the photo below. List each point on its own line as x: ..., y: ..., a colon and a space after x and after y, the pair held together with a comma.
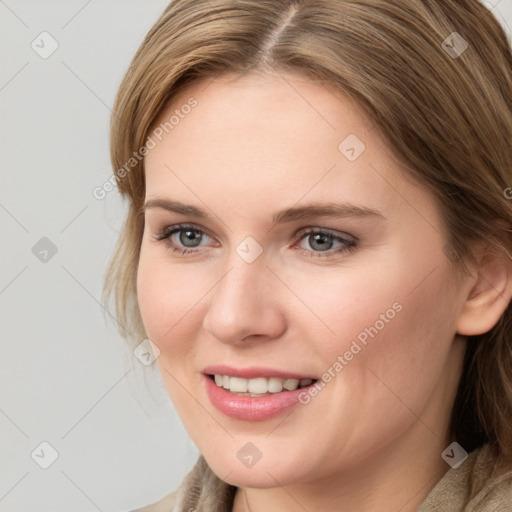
x: 318, y: 247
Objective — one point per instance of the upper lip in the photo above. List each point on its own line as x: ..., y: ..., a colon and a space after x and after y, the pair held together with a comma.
x: 253, y: 372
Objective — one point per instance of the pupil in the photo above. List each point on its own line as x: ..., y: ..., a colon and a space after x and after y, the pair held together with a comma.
x: 321, y: 242
x: 191, y: 236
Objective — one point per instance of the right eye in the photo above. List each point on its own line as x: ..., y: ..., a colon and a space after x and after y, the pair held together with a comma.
x: 182, y: 238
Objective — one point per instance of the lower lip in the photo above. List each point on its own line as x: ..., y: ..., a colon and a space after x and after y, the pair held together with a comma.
x: 251, y: 408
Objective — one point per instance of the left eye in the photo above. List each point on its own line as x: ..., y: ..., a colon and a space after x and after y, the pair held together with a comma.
x: 323, y: 241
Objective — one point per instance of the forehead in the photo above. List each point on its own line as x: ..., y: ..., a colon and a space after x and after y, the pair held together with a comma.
x: 268, y: 101
x: 261, y: 120
x: 263, y: 139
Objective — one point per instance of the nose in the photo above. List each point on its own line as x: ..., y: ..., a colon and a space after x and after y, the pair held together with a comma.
x: 245, y: 305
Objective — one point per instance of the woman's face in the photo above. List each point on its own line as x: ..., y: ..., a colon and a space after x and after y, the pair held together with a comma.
x: 309, y: 256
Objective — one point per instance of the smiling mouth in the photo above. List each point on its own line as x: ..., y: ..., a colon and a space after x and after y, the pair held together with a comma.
x: 260, y: 386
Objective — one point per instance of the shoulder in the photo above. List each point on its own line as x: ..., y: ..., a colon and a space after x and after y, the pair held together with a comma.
x: 200, y: 490
x: 479, y: 484
x: 491, y: 483
x: 166, y: 504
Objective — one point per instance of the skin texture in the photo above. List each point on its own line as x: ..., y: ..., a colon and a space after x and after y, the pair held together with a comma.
x: 372, y: 439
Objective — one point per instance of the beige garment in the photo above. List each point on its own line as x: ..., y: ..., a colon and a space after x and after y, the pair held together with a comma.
x: 477, y: 485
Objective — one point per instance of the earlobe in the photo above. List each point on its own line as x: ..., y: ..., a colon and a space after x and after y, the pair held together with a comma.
x: 489, y: 294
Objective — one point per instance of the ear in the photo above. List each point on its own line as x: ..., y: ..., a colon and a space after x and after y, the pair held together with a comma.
x: 490, y: 291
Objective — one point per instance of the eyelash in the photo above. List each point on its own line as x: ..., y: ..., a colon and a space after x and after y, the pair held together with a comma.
x: 167, y: 232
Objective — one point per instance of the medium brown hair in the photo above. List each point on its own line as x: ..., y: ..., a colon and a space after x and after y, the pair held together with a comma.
x: 446, y: 116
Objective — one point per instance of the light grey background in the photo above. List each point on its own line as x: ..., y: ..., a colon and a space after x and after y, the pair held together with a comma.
x: 67, y: 377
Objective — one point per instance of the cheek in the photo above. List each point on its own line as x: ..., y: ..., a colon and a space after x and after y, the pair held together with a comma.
x: 166, y: 300
x: 387, y: 323
x: 398, y: 310
x: 396, y: 348
x: 166, y: 296
x: 340, y: 305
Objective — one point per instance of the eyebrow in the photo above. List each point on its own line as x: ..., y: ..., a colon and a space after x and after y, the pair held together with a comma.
x: 308, y: 211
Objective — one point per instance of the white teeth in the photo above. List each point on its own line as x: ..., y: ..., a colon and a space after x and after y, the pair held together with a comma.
x: 260, y: 385
x: 238, y: 385
x: 291, y: 384
x: 275, y: 385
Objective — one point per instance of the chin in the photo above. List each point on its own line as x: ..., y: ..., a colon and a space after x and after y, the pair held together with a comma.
x: 256, y: 473
x: 259, y: 476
